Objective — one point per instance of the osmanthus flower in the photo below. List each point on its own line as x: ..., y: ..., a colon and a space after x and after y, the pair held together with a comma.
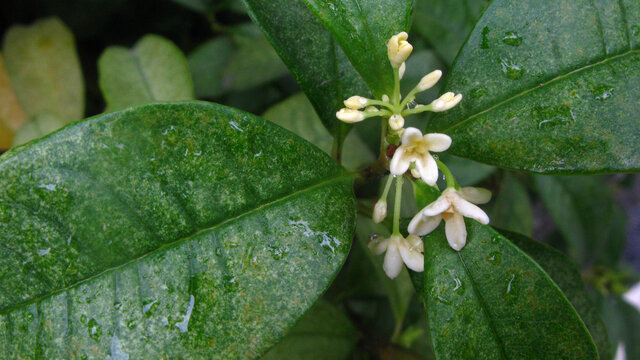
x: 400, y: 250
x: 452, y: 206
x: 415, y: 148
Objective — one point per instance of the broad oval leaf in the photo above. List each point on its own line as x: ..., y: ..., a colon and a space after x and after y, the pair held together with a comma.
x: 362, y: 28
x: 491, y: 301
x: 550, y: 87
x: 166, y: 230
x: 153, y: 70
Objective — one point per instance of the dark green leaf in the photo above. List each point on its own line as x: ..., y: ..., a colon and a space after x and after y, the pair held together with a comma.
x: 446, y: 23
x: 512, y: 208
x: 208, y: 63
x: 44, y: 69
x: 586, y: 214
x: 466, y: 171
x: 550, y: 87
x: 491, y: 301
x: 166, y: 230
x: 362, y: 28
x: 313, y: 57
x: 623, y: 323
x: 324, y: 333
x: 153, y: 70
x: 568, y: 278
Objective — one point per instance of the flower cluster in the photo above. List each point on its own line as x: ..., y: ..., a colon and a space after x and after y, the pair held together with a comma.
x: 413, y: 154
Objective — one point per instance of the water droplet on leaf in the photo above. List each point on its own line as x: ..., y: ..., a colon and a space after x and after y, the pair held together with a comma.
x: 512, y: 38
x: 510, y: 69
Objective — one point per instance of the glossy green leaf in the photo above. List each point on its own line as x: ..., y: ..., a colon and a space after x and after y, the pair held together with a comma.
x: 289, y: 113
x: 446, y: 23
x: 466, y: 171
x: 492, y: 301
x: 623, y: 323
x: 569, y: 280
x: 208, y: 63
x: 38, y: 126
x: 549, y: 87
x: 589, y: 219
x: 166, y: 230
x: 362, y: 28
x: 512, y: 210
x: 311, y: 54
x: 153, y: 70
x: 44, y: 69
x: 324, y: 333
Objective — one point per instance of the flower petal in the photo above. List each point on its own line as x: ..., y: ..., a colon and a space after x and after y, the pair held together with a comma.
x: 428, y: 169
x: 437, y: 207
x: 438, y: 142
x: 422, y: 225
x: 415, y: 243
x: 392, y: 261
x: 411, y: 134
x: 412, y: 258
x: 399, y: 163
x: 469, y: 210
x: 378, y: 246
x: 475, y: 195
x: 456, y: 232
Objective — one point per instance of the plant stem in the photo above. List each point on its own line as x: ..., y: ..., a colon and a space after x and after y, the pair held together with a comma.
x: 448, y: 176
x: 386, y: 189
x: 396, y: 206
x: 396, y: 87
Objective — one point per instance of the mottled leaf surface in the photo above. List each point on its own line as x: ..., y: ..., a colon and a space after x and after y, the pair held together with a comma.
x: 312, y: 55
x: 153, y: 70
x: 549, y: 87
x: 44, y: 69
x: 166, y: 230
x: 362, y: 28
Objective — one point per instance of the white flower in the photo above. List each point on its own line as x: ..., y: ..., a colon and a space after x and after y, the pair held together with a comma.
x: 356, y: 102
x: 446, y: 102
x: 396, y: 121
x: 379, y: 211
x: 350, y: 115
x: 429, y: 80
x: 415, y: 148
x: 400, y: 250
x: 401, y: 70
x: 398, y: 49
x: 452, y: 206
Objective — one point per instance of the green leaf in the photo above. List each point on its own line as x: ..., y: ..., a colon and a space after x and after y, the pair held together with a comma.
x: 623, y: 323
x: 166, y: 230
x: 491, y: 301
x: 362, y: 28
x: 38, y: 126
x: 311, y: 54
x: 568, y: 278
x: 466, y: 171
x: 153, y: 70
x: 11, y: 114
x: 288, y: 114
x: 208, y: 63
x: 44, y: 69
x: 512, y: 208
x: 589, y: 219
x: 446, y: 23
x: 549, y: 87
x: 324, y: 333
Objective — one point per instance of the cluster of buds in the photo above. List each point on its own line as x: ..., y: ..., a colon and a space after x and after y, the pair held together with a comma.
x: 414, y: 155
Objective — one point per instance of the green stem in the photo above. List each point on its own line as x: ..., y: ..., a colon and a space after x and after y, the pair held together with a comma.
x: 396, y: 87
x: 396, y: 206
x: 417, y: 110
x: 410, y: 96
x: 383, y: 138
x: 380, y: 103
x: 386, y: 189
x: 377, y: 113
x: 448, y: 176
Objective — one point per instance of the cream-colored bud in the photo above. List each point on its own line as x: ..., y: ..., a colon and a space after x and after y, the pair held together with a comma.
x: 446, y: 102
x: 429, y: 80
x: 356, y: 102
x: 371, y: 109
x: 398, y: 49
x: 350, y: 115
x: 415, y: 173
x: 402, y: 69
x: 385, y: 98
x: 396, y: 121
x: 379, y: 212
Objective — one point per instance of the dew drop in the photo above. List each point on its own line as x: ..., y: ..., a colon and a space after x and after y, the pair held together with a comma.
x: 83, y: 318
x: 495, y: 258
x: 459, y: 286
x: 478, y: 92
x: 495, y: 239
x: 510, y: 69
x: 131, y: 324
x: 149, y: 306
x: 277, y: 253
x: 635, y: 30
x: 94, y: 330
x: 485, y: 38
x: 117, y: 305
x: 510, y: 286
x: 552, y: 116
x: 512, y: 38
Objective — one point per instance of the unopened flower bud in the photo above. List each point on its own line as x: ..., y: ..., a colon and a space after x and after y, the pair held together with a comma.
x: 429, y: 80
x: 402, y: 69
x: 356, y: 102
x: 380, y: 211
x: 385, y: 98
x: 370, y: 109
x: 398, y: 49
x: 415, y: 173
x: 446, y: 102
x: 396, y: 121
x: 350, y: 115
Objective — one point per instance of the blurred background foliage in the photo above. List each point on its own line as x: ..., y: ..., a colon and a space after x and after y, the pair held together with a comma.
x: 79, y: 58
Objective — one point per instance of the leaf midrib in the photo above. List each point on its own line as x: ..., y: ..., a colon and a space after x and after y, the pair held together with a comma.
x: 164, y: 247
x: 540, y: 86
